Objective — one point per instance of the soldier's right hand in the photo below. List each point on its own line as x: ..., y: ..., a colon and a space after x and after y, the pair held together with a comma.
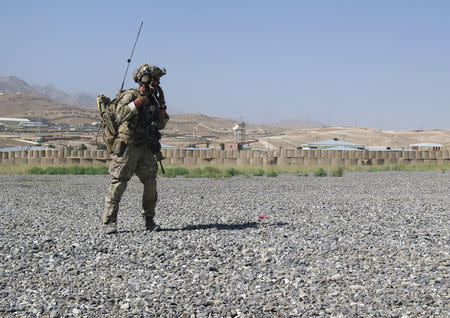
x: 141, y: 100
x: 144, y: 90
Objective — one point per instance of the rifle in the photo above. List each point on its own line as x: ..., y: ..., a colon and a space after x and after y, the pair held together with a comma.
x: 154, y: 136
x: 152, y: 133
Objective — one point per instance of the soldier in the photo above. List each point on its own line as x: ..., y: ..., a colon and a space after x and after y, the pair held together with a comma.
x: 140, y: 114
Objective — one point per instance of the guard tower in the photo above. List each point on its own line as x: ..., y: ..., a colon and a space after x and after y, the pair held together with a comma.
x: 239, y: 132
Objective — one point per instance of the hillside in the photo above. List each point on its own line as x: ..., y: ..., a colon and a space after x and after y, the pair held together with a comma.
x: 33, y: 105
x: 361, y: 135
x: 186, y: 123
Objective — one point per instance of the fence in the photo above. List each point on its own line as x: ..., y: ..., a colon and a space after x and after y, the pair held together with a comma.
x: 237, y: 157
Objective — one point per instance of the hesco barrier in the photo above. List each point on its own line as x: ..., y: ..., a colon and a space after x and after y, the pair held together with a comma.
x: 238, y: 157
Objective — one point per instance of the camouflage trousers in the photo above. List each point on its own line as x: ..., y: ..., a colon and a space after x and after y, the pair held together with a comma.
x: 135, y: 159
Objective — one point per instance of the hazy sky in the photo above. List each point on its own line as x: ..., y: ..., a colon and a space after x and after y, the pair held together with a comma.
x: 380, y: 64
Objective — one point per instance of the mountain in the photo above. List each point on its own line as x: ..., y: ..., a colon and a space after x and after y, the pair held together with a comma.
x: 13, y: 85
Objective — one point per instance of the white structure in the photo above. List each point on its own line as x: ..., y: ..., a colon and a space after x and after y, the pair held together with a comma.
x: 14, y: 120
x: 239, y: 132
x: 333, y: 144
x: 31, y: 124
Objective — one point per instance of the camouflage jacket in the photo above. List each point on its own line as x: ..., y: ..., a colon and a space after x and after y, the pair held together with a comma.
x: 132, y: 122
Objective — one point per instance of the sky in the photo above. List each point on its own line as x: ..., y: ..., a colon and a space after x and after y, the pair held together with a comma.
x: 376, y: 64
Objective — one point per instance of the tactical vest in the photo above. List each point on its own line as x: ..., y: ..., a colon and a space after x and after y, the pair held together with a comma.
x: 138, y: 129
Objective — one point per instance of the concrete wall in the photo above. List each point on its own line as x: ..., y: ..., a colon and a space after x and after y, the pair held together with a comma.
x: 237, y: 157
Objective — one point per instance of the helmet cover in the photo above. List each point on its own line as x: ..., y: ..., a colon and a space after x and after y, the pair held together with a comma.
x: 145, y: 73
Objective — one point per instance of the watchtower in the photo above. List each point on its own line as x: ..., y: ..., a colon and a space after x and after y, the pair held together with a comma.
x: 239, y: 132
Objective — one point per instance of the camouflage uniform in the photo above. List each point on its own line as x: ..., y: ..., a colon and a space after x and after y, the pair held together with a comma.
x: 131, y: 153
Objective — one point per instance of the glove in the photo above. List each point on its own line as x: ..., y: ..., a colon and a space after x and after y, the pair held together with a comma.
x: 144, y: 90
x: 141, y: 100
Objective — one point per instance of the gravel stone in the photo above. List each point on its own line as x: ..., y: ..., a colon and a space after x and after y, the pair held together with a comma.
x: 363, y: 245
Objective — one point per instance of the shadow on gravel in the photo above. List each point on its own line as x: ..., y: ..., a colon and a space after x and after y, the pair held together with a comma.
x: 128, y: 231
x: 221, y: 226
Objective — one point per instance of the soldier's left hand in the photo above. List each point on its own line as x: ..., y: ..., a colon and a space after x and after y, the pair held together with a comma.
x: 163, y: 110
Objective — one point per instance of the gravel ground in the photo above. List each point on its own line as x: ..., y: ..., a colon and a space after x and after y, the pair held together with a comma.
x: 364, y: 245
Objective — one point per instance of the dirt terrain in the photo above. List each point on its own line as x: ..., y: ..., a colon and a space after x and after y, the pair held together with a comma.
x: 360, y: 135
x: 197, y: 129
x: 32, y: 105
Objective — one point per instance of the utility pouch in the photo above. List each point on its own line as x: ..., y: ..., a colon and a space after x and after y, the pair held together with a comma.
x: 109, y: 142
x: 109, y: 131
x: 119, y: 147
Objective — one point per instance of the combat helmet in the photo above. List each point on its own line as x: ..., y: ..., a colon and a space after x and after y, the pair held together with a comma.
x: 145, y: 73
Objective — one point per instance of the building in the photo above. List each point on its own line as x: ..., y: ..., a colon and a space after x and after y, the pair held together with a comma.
x: 426, y: 146
x: 14, y: 120
x: 232, y: 146
x: 166, y: 146
x: 380, y: 148
x: 20, y: 148
x: 333, y: 144
x: 31, y: 124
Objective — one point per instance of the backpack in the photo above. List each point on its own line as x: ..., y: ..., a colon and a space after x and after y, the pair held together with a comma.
x: 107, y: 112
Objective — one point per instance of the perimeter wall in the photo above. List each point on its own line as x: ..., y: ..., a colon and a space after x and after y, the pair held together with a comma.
x: 238, y: 157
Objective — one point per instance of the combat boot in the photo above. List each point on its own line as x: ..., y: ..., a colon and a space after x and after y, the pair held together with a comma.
x: 151, y: 226
x: 111, y: 228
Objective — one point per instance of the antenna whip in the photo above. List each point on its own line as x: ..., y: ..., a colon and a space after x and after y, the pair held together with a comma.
x: 129, y: 60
